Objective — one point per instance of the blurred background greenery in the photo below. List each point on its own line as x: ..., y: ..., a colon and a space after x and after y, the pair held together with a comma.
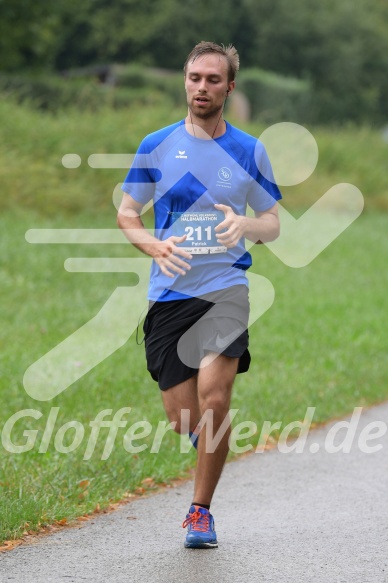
x: 315, y: 61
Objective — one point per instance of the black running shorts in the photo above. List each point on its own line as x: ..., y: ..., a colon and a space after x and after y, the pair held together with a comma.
x: 179, y: 333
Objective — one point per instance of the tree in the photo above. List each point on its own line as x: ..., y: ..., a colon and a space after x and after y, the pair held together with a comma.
x: 341, y: 47
x: 28, y: 33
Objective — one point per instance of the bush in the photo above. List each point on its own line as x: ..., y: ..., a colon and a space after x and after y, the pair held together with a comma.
x: 274, y: 98
x: 165, y: 81
x: 53, y: 93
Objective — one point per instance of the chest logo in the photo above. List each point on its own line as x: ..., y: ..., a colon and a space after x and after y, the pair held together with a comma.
x: 224, y: 174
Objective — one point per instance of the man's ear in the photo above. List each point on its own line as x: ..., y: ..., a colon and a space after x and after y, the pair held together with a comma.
x: 231, y: 86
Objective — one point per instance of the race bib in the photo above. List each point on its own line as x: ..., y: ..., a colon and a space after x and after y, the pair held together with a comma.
x: 199, y: 228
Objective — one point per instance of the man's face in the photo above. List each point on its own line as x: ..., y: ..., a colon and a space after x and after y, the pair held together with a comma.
x: 206, y: 84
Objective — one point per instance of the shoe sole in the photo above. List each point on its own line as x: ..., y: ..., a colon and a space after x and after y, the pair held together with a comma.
x: 213, y: 545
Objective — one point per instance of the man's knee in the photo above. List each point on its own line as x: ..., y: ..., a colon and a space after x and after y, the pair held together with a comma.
x: 181, y: 405
x: 215, y: 402
x: 183, y: 420
x: 176, y: 423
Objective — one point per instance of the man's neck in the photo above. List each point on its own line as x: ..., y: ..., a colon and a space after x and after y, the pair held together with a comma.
x: 205, y: 129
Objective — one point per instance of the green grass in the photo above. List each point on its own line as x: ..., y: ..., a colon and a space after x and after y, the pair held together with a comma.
x: 32, y: 145
x: 321, y: 344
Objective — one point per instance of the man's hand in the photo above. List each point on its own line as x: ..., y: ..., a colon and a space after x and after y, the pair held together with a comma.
x: 165, y: 253
x: 264, y: 227
x: 168, y: 256
x: 233, y: 224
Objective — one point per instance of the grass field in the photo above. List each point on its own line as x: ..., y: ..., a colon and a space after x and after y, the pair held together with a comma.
x: 32, y: 145
x: 321, y: 344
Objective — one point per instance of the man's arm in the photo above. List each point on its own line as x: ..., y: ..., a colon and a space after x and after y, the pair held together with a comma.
x: 166, y: 254
x: 262, y: 228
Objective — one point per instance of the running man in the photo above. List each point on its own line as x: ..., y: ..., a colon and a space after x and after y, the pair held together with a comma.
x: 201, y: 174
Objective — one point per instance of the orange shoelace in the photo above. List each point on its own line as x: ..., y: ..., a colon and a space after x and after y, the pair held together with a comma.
x: 199, y: 521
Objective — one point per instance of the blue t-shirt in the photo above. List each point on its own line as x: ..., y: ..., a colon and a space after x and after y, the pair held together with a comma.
x: 186, y: 174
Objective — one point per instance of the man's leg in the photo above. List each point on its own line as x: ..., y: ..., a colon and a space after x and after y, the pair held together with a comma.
x: 215, y: 382
x: 214, y: 385
x: 182, y: 396
x: 210, y: 390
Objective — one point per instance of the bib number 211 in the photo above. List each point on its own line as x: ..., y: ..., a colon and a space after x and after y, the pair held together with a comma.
x: 199, y: 228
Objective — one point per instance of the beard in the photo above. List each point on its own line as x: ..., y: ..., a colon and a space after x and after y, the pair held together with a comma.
x: 202, y: 113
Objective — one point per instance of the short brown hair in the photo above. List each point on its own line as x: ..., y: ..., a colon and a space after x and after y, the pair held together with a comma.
x: 229, y: 52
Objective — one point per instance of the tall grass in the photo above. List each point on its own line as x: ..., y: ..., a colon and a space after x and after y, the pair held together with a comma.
x: 32, y: 145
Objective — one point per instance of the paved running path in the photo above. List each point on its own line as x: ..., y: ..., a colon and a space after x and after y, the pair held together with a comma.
x: 311, y: 517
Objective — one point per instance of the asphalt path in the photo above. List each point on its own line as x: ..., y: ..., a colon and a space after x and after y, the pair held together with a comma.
x: 318, y: 516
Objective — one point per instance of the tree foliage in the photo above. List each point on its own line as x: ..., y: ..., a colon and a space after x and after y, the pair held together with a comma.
x: 341, y: 48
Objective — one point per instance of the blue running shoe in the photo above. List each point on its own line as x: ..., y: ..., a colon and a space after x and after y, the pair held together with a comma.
x: 200, y: 531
